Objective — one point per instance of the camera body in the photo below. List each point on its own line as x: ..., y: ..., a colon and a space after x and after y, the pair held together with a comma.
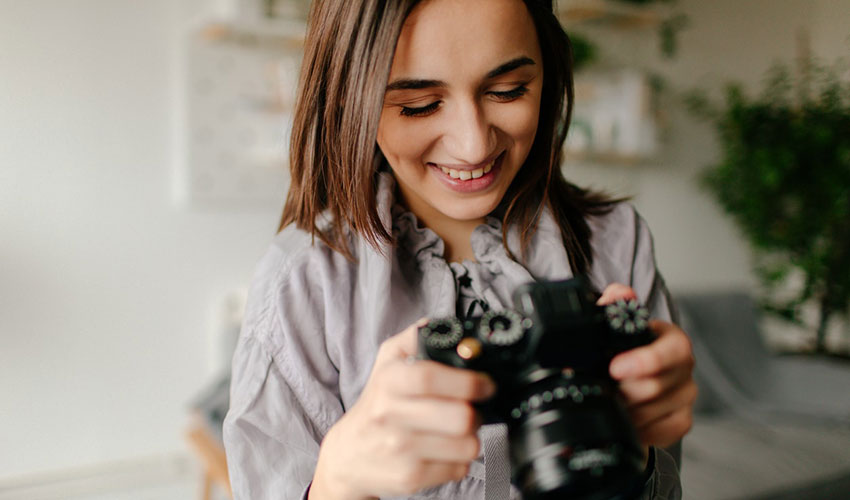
x: 570, y: 435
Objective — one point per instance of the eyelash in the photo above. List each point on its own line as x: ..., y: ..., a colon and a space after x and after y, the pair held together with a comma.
x: 507, y: 96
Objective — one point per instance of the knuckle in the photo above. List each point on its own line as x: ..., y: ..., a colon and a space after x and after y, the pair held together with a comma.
x: 422, y: 379
x: 652, y: 360
x: 470, y: 386
x: 684, y: 423
x: 692, y: 392
x: 385, y: 350
x: 685, y: 349
x: 411, y: 478
x: 653, y: 388
x: 397, y: 443
x: 400, y: 444
x: 471, y: 448
x: 461, y: 471
x: 692, y: 360
x: 380, y: 411
x: 467, y: 419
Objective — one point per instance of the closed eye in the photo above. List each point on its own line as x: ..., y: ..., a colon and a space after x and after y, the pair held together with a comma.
x: 509, y: 95
x: 423, y: 111
x: 501, y: 96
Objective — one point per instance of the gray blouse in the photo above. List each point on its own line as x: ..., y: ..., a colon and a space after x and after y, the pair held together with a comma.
x: 314, y: 321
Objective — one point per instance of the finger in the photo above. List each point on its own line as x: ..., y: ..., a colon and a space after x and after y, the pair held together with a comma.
x: 401, y: 345
x: 681, y: 397
x: 436, y: 416
x: 615, y: 292
x: 670, y: 349
x: 425, y: 475
x: 668, y: 429
x: 641, y: 390
x: 440, y: 448
x: 432, y: 379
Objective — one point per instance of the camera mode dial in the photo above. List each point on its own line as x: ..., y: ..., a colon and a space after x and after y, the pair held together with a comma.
x: 627, y: 316
x: 502, y: 328
x: 443, y: 333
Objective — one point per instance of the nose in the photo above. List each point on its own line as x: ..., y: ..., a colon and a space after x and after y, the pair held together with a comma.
x: 469, y: 136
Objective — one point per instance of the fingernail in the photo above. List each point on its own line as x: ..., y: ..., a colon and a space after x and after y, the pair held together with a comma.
x: 421, y: 322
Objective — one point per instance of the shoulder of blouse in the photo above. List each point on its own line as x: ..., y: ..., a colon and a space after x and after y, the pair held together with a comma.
x: 622, y: 246
x: 609, y: 226
x: 293, y: 262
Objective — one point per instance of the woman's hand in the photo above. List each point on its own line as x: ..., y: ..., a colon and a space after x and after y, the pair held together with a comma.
x: 656, y: 380
x: 413, y: 427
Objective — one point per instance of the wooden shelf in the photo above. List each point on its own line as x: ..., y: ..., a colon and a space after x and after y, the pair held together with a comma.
x: 609, y: 12
x: 288, y: 32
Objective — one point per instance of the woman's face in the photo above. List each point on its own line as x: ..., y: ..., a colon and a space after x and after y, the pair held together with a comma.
x: 461, y: 106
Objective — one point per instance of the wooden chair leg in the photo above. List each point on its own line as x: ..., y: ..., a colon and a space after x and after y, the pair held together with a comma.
x: 206, y: 494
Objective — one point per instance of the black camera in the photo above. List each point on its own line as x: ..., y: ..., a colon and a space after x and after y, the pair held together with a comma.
x: 570, y: 435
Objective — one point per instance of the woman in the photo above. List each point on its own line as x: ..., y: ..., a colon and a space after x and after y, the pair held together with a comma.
x: 426, y: 182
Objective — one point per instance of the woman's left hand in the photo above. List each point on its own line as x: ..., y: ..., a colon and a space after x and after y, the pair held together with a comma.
x: 656, y: 380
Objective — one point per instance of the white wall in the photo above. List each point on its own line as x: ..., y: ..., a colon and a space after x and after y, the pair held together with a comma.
x: 107, y: 287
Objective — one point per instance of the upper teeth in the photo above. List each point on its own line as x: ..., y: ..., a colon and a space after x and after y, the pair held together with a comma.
x: 465, y: 175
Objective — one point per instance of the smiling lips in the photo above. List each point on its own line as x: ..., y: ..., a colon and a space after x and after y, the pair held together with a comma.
x: 465, y: 175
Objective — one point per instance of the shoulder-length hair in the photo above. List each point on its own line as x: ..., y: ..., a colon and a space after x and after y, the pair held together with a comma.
x: 334, y: 155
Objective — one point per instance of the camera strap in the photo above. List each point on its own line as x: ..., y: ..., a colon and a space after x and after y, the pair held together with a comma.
x: 497, y: 467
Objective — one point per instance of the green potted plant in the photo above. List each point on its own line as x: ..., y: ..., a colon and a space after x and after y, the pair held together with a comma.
x: 784, y: 177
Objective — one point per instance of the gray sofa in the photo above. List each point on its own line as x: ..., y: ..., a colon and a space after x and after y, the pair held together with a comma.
x: 767, y: 426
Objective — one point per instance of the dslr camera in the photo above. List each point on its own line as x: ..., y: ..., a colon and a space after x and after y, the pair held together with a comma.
x: 569, y: 433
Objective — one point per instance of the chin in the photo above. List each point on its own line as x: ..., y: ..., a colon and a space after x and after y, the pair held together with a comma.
x: 470, y: 212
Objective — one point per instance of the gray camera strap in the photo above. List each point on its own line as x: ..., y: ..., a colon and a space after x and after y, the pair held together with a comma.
x: 497, y: 468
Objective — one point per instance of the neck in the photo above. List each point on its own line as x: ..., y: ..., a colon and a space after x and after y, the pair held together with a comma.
x: 457, y: 239
x: 456, y: 234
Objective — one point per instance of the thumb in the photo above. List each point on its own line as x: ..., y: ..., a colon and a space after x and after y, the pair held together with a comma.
x: 401, y: 345
x: 615, y: 292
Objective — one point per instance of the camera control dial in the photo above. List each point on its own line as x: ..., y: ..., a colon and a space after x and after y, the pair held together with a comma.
x: 502, y: 328
x: 627, y: 316
x: 443, y: 333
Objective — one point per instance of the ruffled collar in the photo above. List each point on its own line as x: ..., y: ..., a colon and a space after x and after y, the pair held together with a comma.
x: 424, y: 244
x: 546, y: 255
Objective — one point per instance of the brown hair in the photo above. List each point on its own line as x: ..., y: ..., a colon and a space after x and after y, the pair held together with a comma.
x: 334, y: 154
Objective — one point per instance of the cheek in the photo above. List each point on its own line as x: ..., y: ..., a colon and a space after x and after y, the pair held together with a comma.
x: 400, y: 141
x: 520, y: 123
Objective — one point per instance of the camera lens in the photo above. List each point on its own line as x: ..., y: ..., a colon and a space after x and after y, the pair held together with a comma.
x: 571, y: 438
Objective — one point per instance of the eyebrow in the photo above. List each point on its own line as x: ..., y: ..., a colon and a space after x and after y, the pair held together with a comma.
x: 415, y: 84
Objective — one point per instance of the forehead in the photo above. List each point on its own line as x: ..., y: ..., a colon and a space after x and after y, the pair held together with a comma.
x: 442, y: 39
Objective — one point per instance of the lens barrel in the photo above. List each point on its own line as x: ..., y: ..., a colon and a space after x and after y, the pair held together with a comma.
x: 571, y: 438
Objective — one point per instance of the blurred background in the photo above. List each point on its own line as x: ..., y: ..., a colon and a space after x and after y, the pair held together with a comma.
x: 142, y: 173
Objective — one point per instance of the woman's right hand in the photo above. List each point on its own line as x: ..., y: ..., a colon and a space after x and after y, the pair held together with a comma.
x: 413, y: 427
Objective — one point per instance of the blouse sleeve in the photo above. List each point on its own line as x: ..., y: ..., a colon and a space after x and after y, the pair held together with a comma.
x: 646, y: 281
x: 664, y: 482
x: 284, y: 389
x: 624, y: 253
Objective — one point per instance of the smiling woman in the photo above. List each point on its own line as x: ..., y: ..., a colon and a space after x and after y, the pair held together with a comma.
x: 417, y: 57
x: 426, y: 182
x: 463, y: 98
